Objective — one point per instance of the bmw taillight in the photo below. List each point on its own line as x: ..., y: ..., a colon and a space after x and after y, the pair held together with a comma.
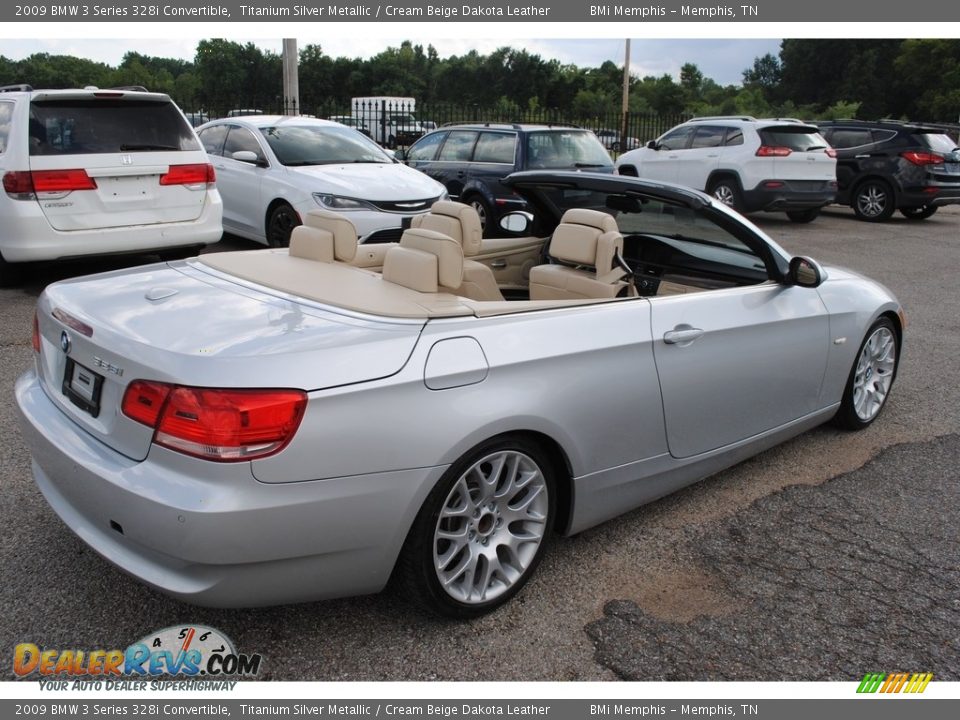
x: 23, y: 184
x: 193, y: 174
x: 222, y: 425
x: 773, y: 151
x: 923, y: 158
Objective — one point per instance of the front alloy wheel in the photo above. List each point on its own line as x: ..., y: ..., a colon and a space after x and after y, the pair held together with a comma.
x: 282, y: 221
x: 873, y: 201
x: 871, y: 377
x: 482, y: 531
x: 727, y: 192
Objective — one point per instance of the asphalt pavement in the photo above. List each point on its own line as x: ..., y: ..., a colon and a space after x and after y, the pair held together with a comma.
x: 829, y: 556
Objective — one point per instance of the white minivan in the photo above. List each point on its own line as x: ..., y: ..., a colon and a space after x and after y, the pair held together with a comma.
x: 91, y: 172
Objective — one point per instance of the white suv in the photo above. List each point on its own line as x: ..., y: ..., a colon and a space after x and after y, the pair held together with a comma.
x: 748, y: 164
x: 90, y: 172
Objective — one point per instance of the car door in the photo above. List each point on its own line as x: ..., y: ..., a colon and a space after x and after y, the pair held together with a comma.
x: 852, y: 145
x: 736, y: 361
x: 240, y: 182
x: 453, y: 166
x: 695, y: 163
x: 663, y: 164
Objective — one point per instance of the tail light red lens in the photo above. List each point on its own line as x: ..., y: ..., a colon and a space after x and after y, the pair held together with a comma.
x: 22, y: 184
x: 35, y: 340
x: 773, y: 151
x: 194, y: 174
x: 831, y: 152
x: 213, y: 424
x: 923, y: 158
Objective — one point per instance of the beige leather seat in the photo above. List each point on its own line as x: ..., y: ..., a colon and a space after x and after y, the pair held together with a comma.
x: 462, y: 223
x: 425, y: 261
x: 590, y: 241
x: 325, y: 237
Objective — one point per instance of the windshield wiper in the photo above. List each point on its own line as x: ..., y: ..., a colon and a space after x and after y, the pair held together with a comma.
x: 588, y: 165
x: 147, y: 146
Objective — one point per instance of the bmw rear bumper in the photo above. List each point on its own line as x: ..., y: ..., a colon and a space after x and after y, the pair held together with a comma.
x: 210, y: 534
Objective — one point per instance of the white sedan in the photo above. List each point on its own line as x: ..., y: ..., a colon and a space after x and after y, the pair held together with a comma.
x: 272, y: 169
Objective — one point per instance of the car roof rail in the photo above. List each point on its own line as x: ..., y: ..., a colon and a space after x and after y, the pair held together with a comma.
x: 744, y: 118
x: 23, y: 87
x: 786, y: 119
x: 484, y: 123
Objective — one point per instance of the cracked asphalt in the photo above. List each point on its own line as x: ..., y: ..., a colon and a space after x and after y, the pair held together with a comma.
x: 827, y: 557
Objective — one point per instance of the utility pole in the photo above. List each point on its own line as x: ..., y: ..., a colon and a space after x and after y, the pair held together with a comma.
x: 291, y: 78
x: 625, y: 108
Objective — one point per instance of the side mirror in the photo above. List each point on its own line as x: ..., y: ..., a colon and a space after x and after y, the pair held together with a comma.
x: 247, y: 156
x: 805, y: 272
x: 517, y: 222
x: 653, y: 145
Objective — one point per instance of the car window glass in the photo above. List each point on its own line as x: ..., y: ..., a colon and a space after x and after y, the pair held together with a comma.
x: 939, y: 142
x: 676, y: 139
x: 883, y: 135
x: 426, y: 147
x: 685, y: 230
x: 6, y: 113
x: 798, y: 139
x: 734, y: 137
x: 707, y: 137
x: 850, y: 137
x: 566, y: 149
x: 72, y: 127
x: 298, y: 145
x: 459, y: 145
x: 212, y: 138
x: 241, y: 139
x: 495, y: 148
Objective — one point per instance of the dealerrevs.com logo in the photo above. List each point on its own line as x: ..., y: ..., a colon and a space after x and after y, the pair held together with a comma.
x: 188, y: 651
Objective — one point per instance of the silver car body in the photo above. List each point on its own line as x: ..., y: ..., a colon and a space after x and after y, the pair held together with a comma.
x: 394, y: 400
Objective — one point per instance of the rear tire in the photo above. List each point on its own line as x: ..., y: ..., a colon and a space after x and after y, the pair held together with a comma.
x: 871, y: 377
x: 918, y: 213
x: 803, y: 216
x: 873, y: 201
x: 482, y: 530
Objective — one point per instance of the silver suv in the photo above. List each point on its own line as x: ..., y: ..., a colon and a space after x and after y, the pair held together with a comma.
x: 91, y: 172
x: 749, y: 164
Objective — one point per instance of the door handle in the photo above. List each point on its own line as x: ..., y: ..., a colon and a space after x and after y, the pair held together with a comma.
x: 498, y: 264
x: 682, y: 336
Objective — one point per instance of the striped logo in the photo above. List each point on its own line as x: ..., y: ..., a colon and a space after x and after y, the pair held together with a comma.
x: 895, y: 682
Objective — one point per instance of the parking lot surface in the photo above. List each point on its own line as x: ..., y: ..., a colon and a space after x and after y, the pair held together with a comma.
x: 830, y: 556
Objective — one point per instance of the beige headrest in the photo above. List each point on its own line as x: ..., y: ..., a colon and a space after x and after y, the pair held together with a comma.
x: 459, y: 221
x: 342, y: 232
x: 587, y: 237
x: 425, y: 260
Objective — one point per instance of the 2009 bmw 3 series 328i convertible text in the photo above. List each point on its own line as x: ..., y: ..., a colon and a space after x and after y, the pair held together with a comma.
x: 283, y: 425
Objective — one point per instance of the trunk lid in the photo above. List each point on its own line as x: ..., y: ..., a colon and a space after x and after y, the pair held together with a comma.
x: 177, y: 324
x: 124, y: 143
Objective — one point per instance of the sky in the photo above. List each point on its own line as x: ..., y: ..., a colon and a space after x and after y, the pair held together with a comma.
x: 723, y: 60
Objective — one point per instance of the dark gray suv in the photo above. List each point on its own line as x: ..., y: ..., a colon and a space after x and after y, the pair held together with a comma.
x: 890, y: 165
x: 472, y: 159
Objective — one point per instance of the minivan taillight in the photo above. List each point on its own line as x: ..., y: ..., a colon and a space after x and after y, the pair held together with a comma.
x: 923, y: 158
x: 194, y: 174
x: 222, y: 425
x: 773, y: 151
x: 22, y: 184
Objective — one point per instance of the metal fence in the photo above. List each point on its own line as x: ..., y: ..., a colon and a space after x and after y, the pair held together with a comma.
x: 396, y: 122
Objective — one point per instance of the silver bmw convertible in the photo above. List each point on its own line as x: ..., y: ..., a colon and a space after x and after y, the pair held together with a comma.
x: 292, y: 424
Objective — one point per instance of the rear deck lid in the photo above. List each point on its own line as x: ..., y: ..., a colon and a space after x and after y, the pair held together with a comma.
x: 179, y: 325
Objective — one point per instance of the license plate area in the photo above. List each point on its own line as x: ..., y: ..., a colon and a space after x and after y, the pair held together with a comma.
x: 82, y: 387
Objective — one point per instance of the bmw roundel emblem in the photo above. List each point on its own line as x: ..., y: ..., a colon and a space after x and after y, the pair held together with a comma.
x: 65, y: 342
